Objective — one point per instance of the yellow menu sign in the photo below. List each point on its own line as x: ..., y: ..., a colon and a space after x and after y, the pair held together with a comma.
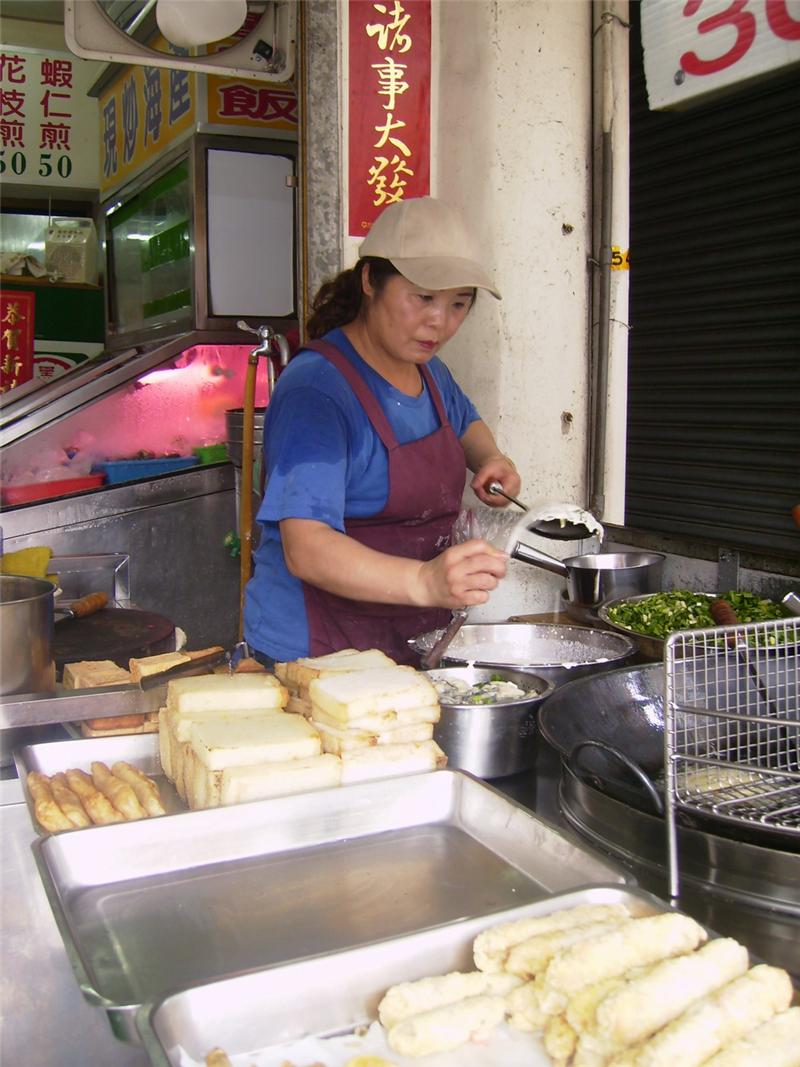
x: 144, y: 111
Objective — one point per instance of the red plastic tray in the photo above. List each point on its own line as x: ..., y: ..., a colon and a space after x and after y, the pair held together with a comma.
x: 25, y: 494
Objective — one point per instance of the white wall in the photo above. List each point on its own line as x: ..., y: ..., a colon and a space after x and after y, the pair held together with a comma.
x: 512, y: 147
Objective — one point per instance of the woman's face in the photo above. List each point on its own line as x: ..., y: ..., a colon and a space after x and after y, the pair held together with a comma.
x: 408, y: 324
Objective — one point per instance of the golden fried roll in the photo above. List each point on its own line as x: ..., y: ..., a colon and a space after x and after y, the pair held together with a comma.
x: 632, y: 944
x: 560, y: 1040
x: 48, y: 814
x: 525, y: 1008
x: 713, y: 1022
x: 410, y: 998
x: 98, y: 807
x: 640, y: 1007
x: 448, y: 1027
x: 69, y: 802
x: 145, y: 788
x: 775, y: 1043
x: 118, y: 792
x: 493, y: 945
x: 529, y: 957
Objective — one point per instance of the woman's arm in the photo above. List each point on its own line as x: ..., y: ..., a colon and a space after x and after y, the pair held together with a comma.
x: 488, y: 464
x: 462, y: 575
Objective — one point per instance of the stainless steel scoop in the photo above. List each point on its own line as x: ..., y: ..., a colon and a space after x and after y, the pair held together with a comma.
x: 552, y: 528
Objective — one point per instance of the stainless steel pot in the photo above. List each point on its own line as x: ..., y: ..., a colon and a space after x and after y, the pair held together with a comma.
x: 491, y: 740
x: 553, y: 652
x: 26, y: 648
x: 26, y: 635
x: 599, y: 576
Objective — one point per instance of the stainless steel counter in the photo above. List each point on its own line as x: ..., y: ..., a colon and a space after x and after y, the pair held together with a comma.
x: 46, y: 1021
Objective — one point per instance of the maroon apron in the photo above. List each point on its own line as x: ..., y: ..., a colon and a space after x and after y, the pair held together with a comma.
x: 426, y: 483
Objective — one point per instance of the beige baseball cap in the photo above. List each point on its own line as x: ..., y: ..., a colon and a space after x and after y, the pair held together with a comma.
x: 427, y: 241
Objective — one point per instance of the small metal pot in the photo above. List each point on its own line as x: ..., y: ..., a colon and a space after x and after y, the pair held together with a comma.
x: 599, y: 576
x: 491, y: 740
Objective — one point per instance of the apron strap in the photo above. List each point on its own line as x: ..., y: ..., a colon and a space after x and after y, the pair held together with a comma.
x: 364, y: 394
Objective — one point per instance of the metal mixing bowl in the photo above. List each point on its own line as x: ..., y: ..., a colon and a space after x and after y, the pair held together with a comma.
x: 553, y: 652
x: 490, y: 740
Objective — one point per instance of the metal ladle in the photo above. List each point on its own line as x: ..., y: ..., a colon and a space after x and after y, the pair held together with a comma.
x: 552, y: 528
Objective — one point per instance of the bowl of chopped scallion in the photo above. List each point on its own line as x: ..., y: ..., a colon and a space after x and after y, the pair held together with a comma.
x: 651, y: 618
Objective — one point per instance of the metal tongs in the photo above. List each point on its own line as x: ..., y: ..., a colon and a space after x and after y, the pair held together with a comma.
x: 552, y: 528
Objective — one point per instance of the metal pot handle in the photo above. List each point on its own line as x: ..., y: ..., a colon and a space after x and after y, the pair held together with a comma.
x: 626, y: 761
x: 527, y: 554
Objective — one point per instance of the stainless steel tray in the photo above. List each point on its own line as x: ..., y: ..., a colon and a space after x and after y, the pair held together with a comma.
x: 263, y: 1010
x: 141, y: 750
x: 162, y: 904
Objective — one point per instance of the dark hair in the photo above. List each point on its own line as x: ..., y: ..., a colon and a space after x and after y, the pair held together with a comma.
x: 339, y: 300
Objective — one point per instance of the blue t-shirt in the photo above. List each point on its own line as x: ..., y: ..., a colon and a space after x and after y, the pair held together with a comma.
x: 324, y: 461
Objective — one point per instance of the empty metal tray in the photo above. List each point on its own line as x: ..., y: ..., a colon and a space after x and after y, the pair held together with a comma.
x: 161, y: 904
x: 260, y: 1012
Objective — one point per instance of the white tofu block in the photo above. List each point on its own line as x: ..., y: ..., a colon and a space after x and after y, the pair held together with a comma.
x: 164, y: 744
x: 241, y: 784
x: 270, y: 737
x: 338, y: 740
x: 346, y: 696
x: 226, y: 692
x: 203, y: 786
x: 386, y: 761
x: 379, y: 721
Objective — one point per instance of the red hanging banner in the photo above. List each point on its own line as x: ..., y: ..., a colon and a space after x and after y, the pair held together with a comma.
x: 16, y: 337
x: 389, y: 106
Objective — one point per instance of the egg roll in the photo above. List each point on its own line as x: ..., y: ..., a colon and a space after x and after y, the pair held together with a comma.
x: 775, y: 1042
x: 448, y: 1027
x: 410, y: 998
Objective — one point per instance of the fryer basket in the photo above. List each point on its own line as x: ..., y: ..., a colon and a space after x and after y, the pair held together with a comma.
x: 732, y: 727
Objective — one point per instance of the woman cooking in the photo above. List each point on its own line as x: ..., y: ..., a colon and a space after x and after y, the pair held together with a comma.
x: 367, y: 441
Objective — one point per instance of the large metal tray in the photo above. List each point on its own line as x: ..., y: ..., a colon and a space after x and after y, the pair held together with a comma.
x: 258, y: 1012
x: 162, y: 904
x: 140, y: 750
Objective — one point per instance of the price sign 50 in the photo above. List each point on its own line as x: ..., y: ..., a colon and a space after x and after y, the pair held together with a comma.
x: 49, y: 164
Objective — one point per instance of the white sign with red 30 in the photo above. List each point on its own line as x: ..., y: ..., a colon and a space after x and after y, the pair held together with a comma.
x: 696, y: 47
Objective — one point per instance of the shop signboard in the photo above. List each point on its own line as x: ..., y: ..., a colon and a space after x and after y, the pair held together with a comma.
x: 143, y: 112
x: 48, y: 122
x: 693, y: 48
x: 249, y: 103
x: 389, y: 104
x: 17, y: 315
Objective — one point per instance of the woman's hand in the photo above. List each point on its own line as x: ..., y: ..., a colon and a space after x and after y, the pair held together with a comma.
x: 462, y: 576
x: 489, y: 465
x: 497, y: 469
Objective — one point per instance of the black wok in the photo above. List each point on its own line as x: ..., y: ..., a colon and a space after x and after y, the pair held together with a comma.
x: 609, y: 730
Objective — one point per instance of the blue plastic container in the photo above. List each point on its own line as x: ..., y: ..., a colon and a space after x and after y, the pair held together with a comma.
x: 130, y: 470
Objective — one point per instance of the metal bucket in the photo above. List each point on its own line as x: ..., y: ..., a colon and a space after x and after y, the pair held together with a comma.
x: 234, y: 425
x: 26, y: 648
x: 26, y: 635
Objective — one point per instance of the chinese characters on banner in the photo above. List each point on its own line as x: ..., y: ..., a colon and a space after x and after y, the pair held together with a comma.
x: 47, y: 121
x: 144, y: 111
x: 16, y: 337
x: 389, y: 106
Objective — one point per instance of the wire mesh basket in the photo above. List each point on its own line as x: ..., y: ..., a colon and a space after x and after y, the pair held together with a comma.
x: 732, y: 727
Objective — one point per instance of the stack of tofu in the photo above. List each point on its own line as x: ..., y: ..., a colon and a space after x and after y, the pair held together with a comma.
x: 376, y: 716
x: 225, y: 739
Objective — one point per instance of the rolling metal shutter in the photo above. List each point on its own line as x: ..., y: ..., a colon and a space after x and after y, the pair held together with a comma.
x: 713, y: 449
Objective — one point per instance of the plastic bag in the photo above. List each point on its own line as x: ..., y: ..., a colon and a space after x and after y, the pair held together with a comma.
x: 491, y: 524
